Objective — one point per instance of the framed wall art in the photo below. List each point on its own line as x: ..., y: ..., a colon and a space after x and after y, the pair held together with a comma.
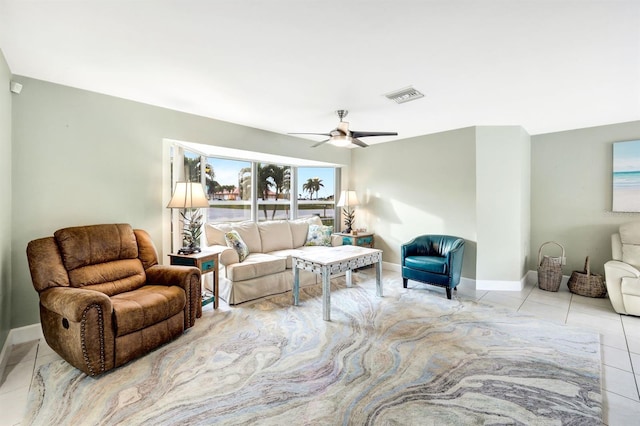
x: 626, y: 176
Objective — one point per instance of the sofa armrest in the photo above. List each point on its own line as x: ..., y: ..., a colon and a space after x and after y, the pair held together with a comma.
x: 336, y: 240
x: 187, y: 277
x: 226, y: 255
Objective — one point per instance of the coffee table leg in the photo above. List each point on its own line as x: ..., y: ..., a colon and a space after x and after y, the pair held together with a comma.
x: 348, y: 275
x: 296, y: 285
x: 379, y: 278
x: 326, y: 294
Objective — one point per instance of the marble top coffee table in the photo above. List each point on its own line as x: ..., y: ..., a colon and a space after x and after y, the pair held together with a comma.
x: 333, y: 261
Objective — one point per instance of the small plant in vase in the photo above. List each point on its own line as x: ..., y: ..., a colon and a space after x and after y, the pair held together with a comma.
x: 349, y: 217
x: 191, y: 231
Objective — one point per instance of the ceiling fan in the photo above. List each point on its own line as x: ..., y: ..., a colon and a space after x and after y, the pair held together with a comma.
x: 342, y: 136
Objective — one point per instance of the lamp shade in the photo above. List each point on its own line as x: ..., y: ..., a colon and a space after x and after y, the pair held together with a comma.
x: 348, y: 198
x: 188, y: 195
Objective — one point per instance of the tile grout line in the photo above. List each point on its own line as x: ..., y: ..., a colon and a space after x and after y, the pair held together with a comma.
x: 635, y: 378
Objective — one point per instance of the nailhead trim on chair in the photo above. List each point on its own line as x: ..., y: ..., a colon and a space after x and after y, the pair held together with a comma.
x: 83, y: 323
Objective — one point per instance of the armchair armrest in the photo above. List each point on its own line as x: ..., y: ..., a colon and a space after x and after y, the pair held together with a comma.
x: 408, y: 249
x: 77, y: 324
x: 419, y: 246
x: 454, y: 259
x: 71, y: 302
x: 187, y: 277
x: 614, y: 272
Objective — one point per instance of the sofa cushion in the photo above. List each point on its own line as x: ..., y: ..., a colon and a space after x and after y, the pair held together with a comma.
x: 286, y: 255
x: 254, y: 266
x: 234, y: 240
x: 300, y: 229
x: 275, y: 235
x: 148, y: 305
x: 319, y: 235
x: 434, y: 264
x: 248, y: 231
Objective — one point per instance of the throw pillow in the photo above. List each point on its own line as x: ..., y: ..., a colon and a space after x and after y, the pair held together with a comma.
x: 319, y: 235
x: 233, y: 240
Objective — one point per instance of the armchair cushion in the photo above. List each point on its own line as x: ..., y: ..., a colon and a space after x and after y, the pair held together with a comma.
x: 148, y: 305
x: 435, y: 264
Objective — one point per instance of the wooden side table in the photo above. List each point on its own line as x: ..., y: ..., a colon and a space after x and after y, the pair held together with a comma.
x: 361, y: 239
x: 206, y: 262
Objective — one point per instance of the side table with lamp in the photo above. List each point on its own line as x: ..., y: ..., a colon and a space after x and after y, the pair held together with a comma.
x: 190, y: 197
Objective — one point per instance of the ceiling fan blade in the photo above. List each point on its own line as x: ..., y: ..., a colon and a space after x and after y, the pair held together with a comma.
x: 319, y: 134
x: 359, y: 143
x: 357, y: 134
x: 320, y: 143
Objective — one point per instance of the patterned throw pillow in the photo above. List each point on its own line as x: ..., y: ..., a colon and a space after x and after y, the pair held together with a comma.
x: 233, y: 240
x: 319, y: 235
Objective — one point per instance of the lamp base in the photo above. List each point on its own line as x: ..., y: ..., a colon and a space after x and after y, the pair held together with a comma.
x: 189, y: 250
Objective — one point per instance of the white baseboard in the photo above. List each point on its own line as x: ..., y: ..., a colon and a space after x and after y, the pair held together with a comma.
x: 15, y: 337
x: 499, y: 285
x: 391, y: 266
x: 490, y: 285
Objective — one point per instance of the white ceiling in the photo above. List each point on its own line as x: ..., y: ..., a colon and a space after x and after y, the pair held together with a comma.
x: 286, y: 65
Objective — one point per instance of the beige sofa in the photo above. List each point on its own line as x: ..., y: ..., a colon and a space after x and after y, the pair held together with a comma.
x: 623, y: 272
x: 267, y: 268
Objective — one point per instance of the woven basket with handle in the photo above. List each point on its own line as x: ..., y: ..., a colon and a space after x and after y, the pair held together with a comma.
x: 587, y: 284
x: 550, y: 269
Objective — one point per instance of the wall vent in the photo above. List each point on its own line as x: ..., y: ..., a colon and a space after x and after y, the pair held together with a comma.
x: 404, y: 95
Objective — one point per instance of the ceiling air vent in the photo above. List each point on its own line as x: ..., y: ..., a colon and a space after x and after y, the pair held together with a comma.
x: 404, y: 95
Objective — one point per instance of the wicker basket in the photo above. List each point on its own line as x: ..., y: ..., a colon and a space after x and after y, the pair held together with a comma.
x: 587, y: 284
x: 550, y: 269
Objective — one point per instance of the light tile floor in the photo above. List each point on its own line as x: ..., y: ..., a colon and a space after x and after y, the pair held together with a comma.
x: 619, y: 342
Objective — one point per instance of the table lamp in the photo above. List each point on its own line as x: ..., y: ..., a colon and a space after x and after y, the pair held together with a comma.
x: 347, y: 200
x: 189, y: 196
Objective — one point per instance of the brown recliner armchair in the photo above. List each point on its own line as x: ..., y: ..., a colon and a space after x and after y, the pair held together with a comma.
x: 104, y: 300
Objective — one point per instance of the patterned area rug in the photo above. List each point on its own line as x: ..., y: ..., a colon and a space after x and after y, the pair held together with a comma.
x: 411, y: 358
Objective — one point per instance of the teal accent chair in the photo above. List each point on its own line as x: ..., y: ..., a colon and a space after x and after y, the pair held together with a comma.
x: 433, y: 259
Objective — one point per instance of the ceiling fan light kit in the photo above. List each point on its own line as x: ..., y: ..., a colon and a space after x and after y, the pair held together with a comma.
x: 341, y: 136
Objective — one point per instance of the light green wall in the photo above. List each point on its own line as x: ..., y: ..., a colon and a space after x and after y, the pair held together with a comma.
x: 85, y: 158
x: 80, y: 157
x: 5, y: 194
x: 502, y: 202
x: 418, y: 186
x: 571, y: 193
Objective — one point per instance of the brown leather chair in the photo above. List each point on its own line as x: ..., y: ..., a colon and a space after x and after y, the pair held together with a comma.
x: 104, y: 300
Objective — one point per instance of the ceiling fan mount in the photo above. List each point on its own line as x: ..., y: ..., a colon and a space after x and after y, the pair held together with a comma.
x: 342, y: 136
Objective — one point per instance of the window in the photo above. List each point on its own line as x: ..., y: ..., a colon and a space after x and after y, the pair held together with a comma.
x: 241, y: 189
x: 274, y: 192
x: 316, y: 193
x: 230, y: 194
